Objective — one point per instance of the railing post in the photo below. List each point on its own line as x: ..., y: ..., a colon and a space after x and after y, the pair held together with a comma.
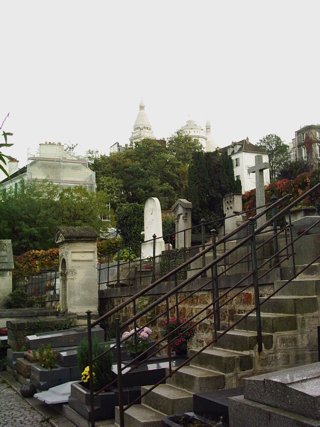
x: 119, y: 372
x: 118, y: 268
x: 275, y: 246
x: 292, y: 244
x: 154, y: 237
x: 92, y: 422
x: 215, y: 286
x: 203, y: 244
x: 254, y: 263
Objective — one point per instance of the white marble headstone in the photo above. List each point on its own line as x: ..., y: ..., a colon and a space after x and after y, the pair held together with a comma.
x: 152, y: 225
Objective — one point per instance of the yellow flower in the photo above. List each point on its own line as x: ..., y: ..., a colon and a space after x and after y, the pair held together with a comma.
x: 85, y: 376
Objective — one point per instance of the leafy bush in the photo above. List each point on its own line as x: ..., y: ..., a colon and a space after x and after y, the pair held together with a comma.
x: 45, y: 356
x: 102, y: 362
x: 19, y: 299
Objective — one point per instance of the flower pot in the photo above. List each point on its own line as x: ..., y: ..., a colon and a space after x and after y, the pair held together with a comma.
x: 104, y: 403
x: 44, y: 378
x: 183, y: 351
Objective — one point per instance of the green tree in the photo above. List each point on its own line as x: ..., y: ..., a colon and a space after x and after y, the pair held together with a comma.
x: 3, y: 157
x: 31, y: 215
x: 211, y: 177
x: 130, y: 225
x: 291, y: 169
x: 278, y: 153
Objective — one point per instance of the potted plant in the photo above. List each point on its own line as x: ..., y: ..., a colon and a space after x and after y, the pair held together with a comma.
x: 137, y: 341
x: 105, y: 401
x: 45, y: 372
x: 178, y: 333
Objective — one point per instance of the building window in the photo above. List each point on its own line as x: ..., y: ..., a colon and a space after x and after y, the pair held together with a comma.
x: 237, y: 162
x: 238, y: 177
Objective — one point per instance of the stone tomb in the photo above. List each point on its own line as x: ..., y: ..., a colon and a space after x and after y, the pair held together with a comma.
x: 6, y: 267
x: 78, y: 269
x: 182, y: 211
x: 285, y: 398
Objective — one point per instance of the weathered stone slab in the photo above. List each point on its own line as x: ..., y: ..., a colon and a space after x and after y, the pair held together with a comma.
x: 66, y: 338
x: 295, y: 389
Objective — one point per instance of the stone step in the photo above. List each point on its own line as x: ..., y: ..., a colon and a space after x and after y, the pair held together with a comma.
x: 196, y: 379
x: 65, y: 338
x: 241, y: 410
x: 271, y: 322
x: 140, y: 416
x: 214, y: 404
x: 307, y: 287
x: 167, y: 399
x: 242, y: 340
x: 312, y: 271
x: 290, y: 304
x: 222, y: 360
x: 294, y: 389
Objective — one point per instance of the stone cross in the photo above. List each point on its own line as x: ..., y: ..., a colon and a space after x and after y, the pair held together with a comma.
x: 258, y: 169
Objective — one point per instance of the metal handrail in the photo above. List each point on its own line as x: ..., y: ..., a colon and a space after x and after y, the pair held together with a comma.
x: 217, y: 300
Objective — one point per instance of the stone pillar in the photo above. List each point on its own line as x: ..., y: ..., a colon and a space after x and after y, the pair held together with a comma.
x: 78, y: 269
x: 6, y: 267
x: 182, y: 211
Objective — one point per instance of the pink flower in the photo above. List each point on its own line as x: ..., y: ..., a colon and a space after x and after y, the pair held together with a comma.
x: 125, y: 335
x: 144, y: 335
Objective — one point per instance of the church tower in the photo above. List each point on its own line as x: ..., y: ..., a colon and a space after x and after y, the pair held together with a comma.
x: 210, y: 144
x: 142, y: 127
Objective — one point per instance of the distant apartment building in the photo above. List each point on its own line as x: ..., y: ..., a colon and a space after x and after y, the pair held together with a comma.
x: 306, y: 145
x: 53, y: 164
x: 243, y: 157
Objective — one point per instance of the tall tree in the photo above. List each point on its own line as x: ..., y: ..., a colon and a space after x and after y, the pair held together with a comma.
x: 278, y: 153
x: 210, y: 179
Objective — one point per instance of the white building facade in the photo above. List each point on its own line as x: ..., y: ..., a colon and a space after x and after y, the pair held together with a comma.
x: 243, y: 155
x: 55, y: 165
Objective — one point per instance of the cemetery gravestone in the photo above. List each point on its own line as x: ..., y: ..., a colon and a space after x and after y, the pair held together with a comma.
x: 258, y: 169
x: 152, y: 226
x: 6, y: 267
x: 182, y: 211
x: 232, y: 203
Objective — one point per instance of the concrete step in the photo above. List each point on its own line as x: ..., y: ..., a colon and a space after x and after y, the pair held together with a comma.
x: 167, y: 399
x: 197, y: 380
x: 271, y: 322
x: 241, y: 340
x: 308, y: 287
x: 222, y: 360
x: 296, y: 390
x: 140, y: 416
x: 312, y: 271
x: 290, y: 304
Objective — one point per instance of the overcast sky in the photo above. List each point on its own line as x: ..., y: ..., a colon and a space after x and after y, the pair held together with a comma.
x: 74, y: 71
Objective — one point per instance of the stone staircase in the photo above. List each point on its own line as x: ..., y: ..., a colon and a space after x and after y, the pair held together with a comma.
x: 289, y: 324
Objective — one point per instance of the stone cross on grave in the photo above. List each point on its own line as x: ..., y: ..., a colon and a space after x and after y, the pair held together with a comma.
x: 258, y: 169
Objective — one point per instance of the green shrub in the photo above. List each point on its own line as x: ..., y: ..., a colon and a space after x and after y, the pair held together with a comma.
x: 45, y: 356
x: 19, y: 299
x: 102, y: 362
